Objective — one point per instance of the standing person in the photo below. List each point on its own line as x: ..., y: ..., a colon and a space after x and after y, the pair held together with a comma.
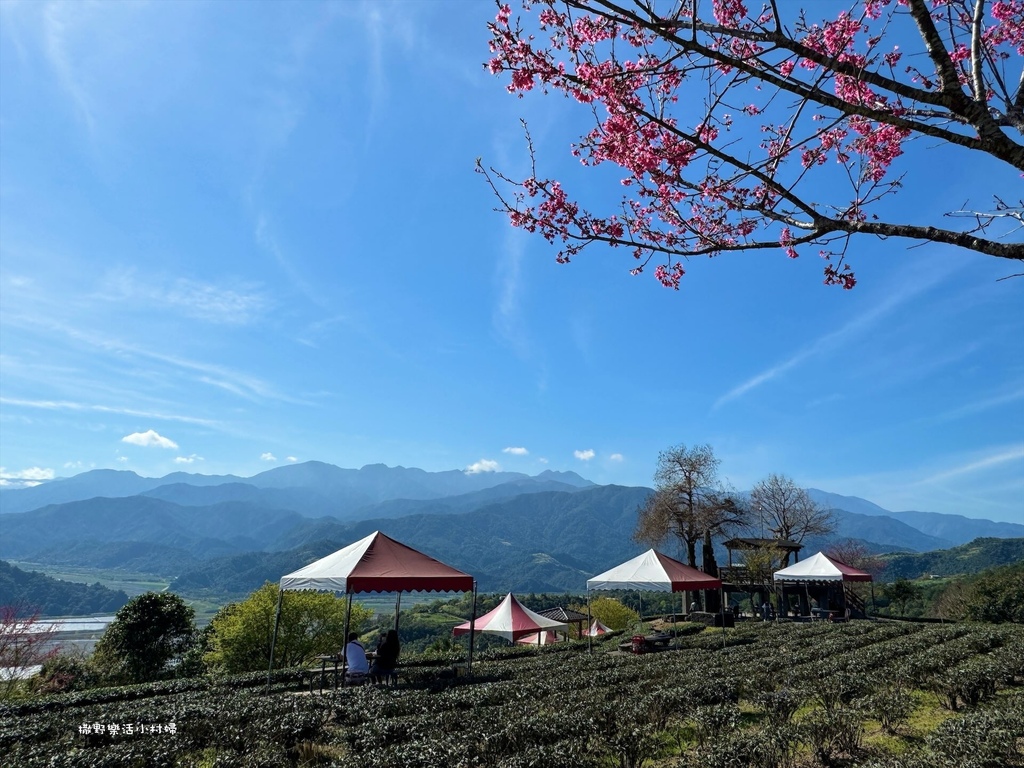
x: 386, y: 658
x: 355, y: 657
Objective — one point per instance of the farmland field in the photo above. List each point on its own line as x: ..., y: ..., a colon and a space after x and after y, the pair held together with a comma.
x: 869, y: 694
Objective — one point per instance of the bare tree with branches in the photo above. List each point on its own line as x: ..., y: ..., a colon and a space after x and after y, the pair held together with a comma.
x: 790, y: 513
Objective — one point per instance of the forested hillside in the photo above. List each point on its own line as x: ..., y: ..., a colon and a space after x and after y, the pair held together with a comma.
x: 53, y: 597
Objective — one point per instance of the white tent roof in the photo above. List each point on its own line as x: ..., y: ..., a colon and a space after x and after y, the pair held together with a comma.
x: 511, y: 620
x: 820, y: 567
x: 653, y: 572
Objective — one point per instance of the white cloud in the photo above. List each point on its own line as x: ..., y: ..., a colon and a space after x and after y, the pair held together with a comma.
x: 617, y: 457
x: 292, y: 459
x: 515, y: 451
x: 188, y: 459
x: 149, y: 439
x: 268, y: 456
x: 484, y: 465
x: 542, y: 460
x: 586, y: 455
x: 32, y: 473
x: 122, y: 459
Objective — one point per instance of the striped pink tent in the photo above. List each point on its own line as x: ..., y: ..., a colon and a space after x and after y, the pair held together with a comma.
x: 512, y: 620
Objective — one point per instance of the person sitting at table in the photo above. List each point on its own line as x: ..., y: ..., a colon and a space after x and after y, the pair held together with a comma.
x: 355, y: 659
x: 386, y: 658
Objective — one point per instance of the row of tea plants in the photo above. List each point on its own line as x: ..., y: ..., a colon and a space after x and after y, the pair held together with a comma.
x: 869, y: 694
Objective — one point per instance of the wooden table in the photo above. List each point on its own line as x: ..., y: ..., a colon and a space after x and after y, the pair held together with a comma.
x: 339, y: 666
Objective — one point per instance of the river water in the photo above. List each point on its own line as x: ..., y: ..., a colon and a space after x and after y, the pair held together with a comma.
x: 80, y: 632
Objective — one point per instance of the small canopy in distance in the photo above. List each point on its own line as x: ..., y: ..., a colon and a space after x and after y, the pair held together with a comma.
x: 597, y: 628
x: 511, y: 620
x: 821, y: 567
x: 378, y: 563
x: 654, y: 572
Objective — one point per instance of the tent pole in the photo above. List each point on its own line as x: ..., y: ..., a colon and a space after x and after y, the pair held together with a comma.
x: 344, y: 640
x: 472, y: 629
x: 398, y: 607
x: 273, y: 641
x: 721, y: 602
x: 590, y: 625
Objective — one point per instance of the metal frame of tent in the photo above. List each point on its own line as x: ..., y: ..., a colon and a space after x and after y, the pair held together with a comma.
x: 376, y: 563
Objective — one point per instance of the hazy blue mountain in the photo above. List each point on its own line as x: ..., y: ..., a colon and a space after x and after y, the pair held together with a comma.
x: 549, y: 541
x: 306, y: 502
x: 953, y: 529
x: 311, y: 488
x: 847, y: 503
x: 109, y: 483
x: 880, y: 530
x: 957, y: 528
x: 203, y: 531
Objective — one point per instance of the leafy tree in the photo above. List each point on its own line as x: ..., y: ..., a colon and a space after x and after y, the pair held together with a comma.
x: 901, y: 592
x: 788, y: 511
x: 147, y: 639
x: 995, y: 595
x: 311, y: 623
x: 688, y: 504
x: 741, y: 128
x: 25, y: 641
x: 612, y: 613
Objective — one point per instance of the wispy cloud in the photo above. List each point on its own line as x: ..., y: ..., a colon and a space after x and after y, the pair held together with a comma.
x: 58, y: 22
x: 830, y: 341
x: 238, y: 305
x: 149, y: 439
x: 515, y: 451
x: 268, y: 456
x: 484, y: 465
x: 586, y: 455
x: 1001, y: 456
x: 188, y: 459
x: 616, y: 457
x: 983, y: 404
x: 68, y: 405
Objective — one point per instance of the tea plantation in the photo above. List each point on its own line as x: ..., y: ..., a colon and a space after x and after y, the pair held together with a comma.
x: 871, y: 694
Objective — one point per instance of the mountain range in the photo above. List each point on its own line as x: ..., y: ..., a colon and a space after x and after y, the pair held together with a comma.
x: 228, y: 534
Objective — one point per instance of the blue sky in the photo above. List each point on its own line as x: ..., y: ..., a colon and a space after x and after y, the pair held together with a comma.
x: 236, y: 235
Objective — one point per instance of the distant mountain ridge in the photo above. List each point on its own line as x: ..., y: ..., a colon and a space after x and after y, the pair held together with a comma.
x: 538, y: 532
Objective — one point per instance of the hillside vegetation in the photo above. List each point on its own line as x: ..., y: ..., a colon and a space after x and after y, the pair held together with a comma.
x: 53, y: 597
x: 859, y: 695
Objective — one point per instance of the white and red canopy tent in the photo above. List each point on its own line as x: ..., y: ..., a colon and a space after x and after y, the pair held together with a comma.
x: 596, y: 629
x: 511, y: 620
x: 821, y: 567
x: 376, y: 563
x: 653, y: 572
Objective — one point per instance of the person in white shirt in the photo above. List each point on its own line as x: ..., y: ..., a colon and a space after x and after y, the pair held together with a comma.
x: 355, y: 656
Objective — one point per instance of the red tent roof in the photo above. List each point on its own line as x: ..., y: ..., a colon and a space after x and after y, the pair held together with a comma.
x: 378, y: 563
